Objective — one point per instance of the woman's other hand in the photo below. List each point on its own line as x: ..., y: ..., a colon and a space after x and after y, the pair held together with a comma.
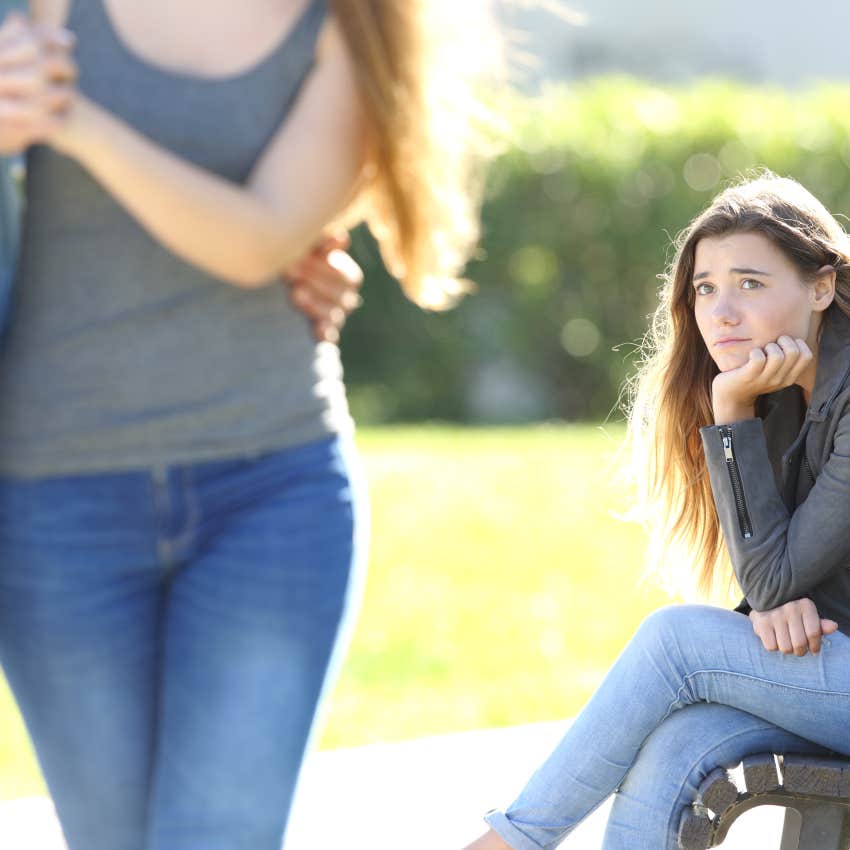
x: 325, y: 286
x: 778, y: 365
x: 793, y: 627
x: 37, y: 81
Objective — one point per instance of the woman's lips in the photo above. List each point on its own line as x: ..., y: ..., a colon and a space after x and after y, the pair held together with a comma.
x: 722, y: 343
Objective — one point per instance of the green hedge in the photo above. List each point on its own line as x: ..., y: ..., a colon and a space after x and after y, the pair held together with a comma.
x: 580, y: 214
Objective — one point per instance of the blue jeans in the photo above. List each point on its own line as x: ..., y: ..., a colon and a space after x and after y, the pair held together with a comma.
x: 694, y: 689
x: 169, y: 635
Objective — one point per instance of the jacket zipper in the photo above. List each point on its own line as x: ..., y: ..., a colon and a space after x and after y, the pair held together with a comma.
x: 735, y: 478
x: 808, y: 468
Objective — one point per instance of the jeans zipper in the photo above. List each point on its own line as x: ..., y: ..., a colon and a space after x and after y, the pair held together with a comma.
x: 735, y: 477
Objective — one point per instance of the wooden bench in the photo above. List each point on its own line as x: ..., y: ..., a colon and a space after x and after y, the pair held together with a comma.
x: 815, y: 792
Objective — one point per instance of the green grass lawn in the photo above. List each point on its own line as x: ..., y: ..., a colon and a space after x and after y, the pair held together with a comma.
x: 501, y: 586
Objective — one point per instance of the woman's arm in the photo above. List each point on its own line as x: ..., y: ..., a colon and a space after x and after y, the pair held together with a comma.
x: 306, y: 177
x: 778, y: 556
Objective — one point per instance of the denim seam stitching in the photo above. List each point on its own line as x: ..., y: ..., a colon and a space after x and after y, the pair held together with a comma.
x: 187, y: 484
x: 690, y: 676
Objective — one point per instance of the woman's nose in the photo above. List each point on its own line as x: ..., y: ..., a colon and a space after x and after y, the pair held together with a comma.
x: 724, y: 312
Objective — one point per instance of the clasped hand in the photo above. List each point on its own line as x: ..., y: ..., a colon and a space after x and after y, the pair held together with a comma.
x: 778, y: 365
x: 793, y: 627
x: 37, y: 81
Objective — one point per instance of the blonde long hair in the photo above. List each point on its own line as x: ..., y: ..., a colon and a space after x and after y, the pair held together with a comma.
x: 424, y: 186
x: 672, y: 391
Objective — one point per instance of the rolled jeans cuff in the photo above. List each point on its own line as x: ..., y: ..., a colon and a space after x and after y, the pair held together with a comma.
x: 498, y: 821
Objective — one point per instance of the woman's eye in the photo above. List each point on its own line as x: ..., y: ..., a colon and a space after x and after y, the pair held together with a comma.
x: 703, y: 289
x: 753, y: 284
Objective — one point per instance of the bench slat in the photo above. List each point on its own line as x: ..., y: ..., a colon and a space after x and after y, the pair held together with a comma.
x: 694, y: 830
x: 761, y: 773
x: 844, y: 788
x: 807, y: 775
x: 717, y: 791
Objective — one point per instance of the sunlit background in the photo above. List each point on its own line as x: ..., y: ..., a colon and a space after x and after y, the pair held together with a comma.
x: 502, y: 582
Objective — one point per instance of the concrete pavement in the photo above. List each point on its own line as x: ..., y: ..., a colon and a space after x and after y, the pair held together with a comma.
x: 425, y: 794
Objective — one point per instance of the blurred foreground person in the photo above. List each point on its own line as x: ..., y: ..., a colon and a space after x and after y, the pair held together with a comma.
x: 182, y: 517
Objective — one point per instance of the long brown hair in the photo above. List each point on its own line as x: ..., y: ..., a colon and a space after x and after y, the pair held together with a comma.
x: 672, y: 391
x: 423, y: 193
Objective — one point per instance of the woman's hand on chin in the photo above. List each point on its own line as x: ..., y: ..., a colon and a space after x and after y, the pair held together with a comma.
x: 778, y: 365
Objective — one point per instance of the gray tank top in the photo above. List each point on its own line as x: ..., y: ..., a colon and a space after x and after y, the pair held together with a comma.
x: 119, y: 354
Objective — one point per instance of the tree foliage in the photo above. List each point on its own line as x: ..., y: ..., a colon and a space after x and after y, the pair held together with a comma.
x: 581, y: 210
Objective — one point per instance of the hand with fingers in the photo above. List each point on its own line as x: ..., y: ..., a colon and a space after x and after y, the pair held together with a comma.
x: 778, y: 365
x: 325, y: 286
x: 793, y: 627
x: 37, y: 81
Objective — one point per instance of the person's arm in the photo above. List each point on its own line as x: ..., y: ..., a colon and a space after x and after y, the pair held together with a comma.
x: 306, y: 177
x: 777, y: 556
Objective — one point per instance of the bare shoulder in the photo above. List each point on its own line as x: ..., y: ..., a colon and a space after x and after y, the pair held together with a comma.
x: 51, y: 12
x: 331, y: 44
x: 335, y: 65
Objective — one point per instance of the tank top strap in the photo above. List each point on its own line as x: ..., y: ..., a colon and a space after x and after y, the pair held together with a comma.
x: 306, y: 31
x: 91, y: 21
x: 312, y: 19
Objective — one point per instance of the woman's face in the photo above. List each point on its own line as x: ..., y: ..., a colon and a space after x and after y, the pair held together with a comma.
x: 747, y: 294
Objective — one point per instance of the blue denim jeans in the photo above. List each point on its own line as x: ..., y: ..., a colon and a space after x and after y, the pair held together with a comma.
x: 169, y: 635
x: 693, y: 690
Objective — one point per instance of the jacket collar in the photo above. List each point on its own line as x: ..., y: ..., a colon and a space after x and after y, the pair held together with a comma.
x: 784, y: 412
x: 833, y: 362
x: 832, y: 370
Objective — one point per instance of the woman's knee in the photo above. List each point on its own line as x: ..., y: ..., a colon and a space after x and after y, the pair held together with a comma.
x: 667, y: 624
x: 663, y: 624
x: 681, y: 748
x: 672, y: 763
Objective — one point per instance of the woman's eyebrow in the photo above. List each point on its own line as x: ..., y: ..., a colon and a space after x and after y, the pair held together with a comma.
x: 701, y: 275
x: 749, y: 271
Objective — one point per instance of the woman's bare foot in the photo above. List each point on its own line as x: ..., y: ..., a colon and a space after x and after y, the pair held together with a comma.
x: 489, y: 841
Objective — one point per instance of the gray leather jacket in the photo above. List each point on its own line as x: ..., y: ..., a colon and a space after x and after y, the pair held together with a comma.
x: 781, y: 486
